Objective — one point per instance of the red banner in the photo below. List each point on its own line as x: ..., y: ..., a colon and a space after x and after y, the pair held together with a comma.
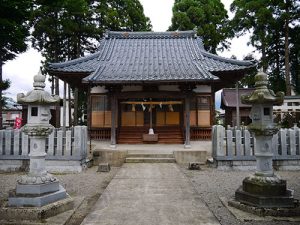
x: 18, y: 123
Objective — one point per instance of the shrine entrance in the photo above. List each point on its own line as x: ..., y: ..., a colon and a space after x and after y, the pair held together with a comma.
x: 138, y: 116
x: 151, y: 113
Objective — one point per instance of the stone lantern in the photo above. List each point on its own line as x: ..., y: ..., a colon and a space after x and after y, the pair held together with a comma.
x: 264, y: 189
x: 38, y: 187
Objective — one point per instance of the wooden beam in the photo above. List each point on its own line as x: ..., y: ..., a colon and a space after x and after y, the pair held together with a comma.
x: 153, y: 102
x: 160, y: 94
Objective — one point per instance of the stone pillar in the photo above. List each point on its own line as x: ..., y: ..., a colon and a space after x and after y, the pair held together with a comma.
x: 37, y: 166
x: 264, y: 155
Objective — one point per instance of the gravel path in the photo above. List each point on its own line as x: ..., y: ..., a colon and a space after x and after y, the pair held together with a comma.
x: 212, y: 184
x: 89, y: 184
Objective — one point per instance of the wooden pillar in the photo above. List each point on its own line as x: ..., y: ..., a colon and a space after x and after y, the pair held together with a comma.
x: 113, y: 137
x: 187, y: 89
x: 75, y: 106
x: 114, y: 110
x: 65, y: 106
x: 89, y: 112
x: 187, y: 143
x: 57, y: 107
x: 237, y: 106
x: 69, y: 106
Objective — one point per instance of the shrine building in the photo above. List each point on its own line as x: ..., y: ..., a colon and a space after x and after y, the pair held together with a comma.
x: 160, y: 80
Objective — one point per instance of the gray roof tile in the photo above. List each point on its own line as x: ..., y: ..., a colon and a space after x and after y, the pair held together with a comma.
x: 150, y: 56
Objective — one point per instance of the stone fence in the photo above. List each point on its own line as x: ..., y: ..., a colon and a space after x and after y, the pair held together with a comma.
x: 235, y: 148
x: 66, y: 151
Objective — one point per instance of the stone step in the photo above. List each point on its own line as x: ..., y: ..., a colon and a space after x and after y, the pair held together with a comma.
x: 150, y: 155
x: 150, y: 160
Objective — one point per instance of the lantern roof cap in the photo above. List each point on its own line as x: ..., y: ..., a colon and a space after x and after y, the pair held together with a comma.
x: 262, y: 94
x: 38, y: 96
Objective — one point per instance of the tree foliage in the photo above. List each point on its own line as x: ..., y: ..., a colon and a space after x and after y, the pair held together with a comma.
x: 271, y: 24
x: 208, y: 17
x: 120, y: 15
x: 295, y: 58
x: 67, y: 29
x: 248, y: 81
x: 14, y: 30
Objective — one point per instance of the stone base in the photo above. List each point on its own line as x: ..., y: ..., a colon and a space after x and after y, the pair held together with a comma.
x: 260, y: 201
x: 265, y: 192
x: 266, y: 186
x: 37, y: 189
x: 29, y: 200
x: 263, y: 212
x: 36, y: 213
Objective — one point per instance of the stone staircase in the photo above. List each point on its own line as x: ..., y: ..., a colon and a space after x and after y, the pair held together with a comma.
x: 150, y: 158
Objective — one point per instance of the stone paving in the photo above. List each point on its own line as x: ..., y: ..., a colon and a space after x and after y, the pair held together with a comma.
x: 154, y: 148
x: 150, y: 194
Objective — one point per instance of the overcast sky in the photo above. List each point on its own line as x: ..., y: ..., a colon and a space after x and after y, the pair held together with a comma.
x: 22, y: 69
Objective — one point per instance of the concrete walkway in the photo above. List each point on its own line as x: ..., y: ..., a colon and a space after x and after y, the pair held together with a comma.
x: 150, y: 194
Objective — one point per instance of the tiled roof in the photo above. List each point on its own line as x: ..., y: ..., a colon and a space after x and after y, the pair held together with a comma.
x: 228, y: 97
x: 150, y: 56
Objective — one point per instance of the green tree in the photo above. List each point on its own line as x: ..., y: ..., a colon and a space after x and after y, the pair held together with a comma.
x: 270, y: 22
x: 67, y: 29
x: 253, y: 15
x: 248, y: 81
x: 14, y: 30
x: 208, y: 17
x: 286, y: 13
x: 295, y: 58
x: 120, y: 15
x: 47, y: 37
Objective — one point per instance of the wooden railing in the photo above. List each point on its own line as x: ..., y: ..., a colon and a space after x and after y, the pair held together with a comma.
x: 100, y: 133
x: 198, y: 133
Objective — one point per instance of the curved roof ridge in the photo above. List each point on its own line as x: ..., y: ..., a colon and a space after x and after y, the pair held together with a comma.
x: 150, y: 34
x: 207, y: 75
x: 74, y: 61
x: 221, y: 58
